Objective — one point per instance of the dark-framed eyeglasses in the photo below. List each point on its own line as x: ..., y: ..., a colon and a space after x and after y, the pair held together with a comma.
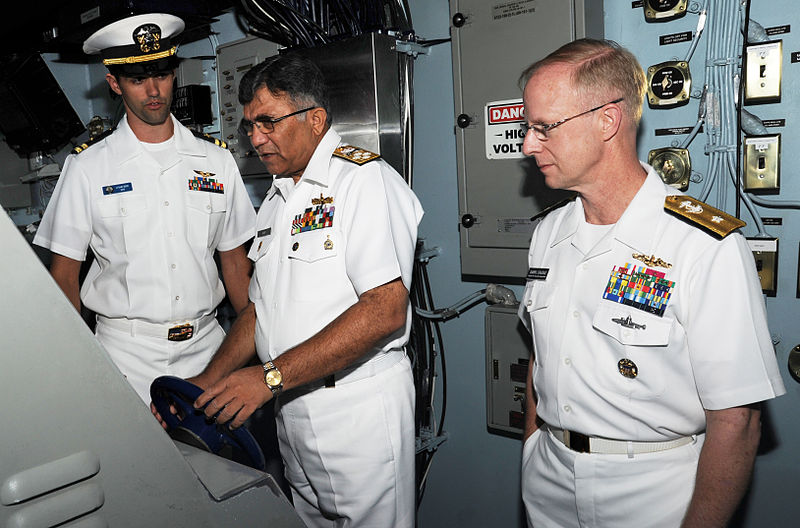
x: 540, y: 130
x: 265, y: 125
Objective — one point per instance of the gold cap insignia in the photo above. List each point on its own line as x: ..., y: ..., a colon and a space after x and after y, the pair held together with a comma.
x: 148, y: 36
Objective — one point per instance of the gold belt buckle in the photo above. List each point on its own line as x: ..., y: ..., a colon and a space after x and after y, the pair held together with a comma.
x: 180, y: 332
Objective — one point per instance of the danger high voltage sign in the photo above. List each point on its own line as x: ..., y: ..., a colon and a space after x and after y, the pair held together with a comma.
x: 504, y: 135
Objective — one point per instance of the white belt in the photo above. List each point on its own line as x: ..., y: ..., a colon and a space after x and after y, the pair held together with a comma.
x: 377, y: 363
x: 176, y: 331
x: 593, y: 444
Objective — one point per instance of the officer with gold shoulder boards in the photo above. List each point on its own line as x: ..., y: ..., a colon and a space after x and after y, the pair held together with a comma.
x: 154, y: 203
x: 329, y: 314
x: 651, y: 350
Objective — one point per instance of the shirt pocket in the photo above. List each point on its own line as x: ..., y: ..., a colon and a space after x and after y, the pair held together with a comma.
x: 123, y: 221
x: 538, y: 300
x: 314, y: 264
x: 205, y: 212
x: 638, y: 344
x: 261, y: 247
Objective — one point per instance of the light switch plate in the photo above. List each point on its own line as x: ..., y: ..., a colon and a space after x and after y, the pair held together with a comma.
x: 762, y: 156
x: 765, y: 251
x: 763, y: 73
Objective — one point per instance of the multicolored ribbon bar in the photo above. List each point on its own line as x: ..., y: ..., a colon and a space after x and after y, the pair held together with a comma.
x: 318, y: 217
x: 200, y: 183
x: 639, y: 287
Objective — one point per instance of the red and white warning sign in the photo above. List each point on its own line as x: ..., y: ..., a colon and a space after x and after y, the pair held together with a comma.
x: 504, y: 133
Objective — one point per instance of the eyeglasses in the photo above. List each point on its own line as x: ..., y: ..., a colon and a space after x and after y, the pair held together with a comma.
x: 540, y: 130
x: 266, y: 125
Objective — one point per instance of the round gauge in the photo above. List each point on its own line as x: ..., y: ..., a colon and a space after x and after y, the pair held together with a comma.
x: 794, y: 363
x: 667, y: 82
x: 673, y: 165
x: 662, y: 5
x: 670, y: 166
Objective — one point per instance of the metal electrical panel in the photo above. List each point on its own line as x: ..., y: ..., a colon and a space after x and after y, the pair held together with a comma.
x: 363, y: 78
x: 233, y: 61
x: 508, y: 348
x: 499, y: 190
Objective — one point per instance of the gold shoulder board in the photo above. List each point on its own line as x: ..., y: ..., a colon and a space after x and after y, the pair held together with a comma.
x: 210, y: 139
x: 355, y: 154
x: 557, y: 205
x: 89, y: 142
x: 701, y: 214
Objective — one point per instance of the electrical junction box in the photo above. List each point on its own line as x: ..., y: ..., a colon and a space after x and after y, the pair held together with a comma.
x: 508, y: 350
x: 765, y: 251
x: 499, y: 190
x: 762, y: 155
x: 763, y: 73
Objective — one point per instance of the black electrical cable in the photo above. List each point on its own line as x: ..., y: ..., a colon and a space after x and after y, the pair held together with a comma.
x: 265, y: 24
x: 442, y: 360
x: 432, y: 42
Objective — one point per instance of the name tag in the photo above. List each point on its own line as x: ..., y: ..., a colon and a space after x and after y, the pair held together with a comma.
x: 264, y: 232
x: 118, y: 188
x: 537, y: 273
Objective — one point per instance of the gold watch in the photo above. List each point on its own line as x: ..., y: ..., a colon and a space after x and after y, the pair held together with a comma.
x: 273, y: 378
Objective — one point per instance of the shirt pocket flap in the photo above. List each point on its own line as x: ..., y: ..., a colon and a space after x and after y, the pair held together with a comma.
x: 117, y: 206
x: 260, y: 244
x: 206, y: 202
x: 315, y: 245
x: 537, y: 296
x: 630, y: 326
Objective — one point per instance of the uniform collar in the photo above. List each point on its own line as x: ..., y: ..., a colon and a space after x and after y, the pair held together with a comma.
x: 125, y: 146
x: 637, y: 224
x: 640, y: 220
x: 317, y: 169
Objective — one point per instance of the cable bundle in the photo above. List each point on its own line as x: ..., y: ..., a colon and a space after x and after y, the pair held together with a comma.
x: 308, y: 23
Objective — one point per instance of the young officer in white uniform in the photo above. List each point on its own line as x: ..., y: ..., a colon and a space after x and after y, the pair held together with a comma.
x: 154, y: 203
x: 650, y: 342
x: 329, y: 312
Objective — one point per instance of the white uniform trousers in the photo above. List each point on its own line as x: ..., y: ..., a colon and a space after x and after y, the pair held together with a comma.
x: 562, y: 488
x: 143, y: 358
x: 348, y: 450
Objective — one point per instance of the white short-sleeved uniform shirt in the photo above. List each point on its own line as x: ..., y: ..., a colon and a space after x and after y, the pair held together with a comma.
x: 644, y: 370
x: 152, y: 228
x: 342, y: 230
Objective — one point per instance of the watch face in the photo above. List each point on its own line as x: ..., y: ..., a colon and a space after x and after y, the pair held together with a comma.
x: 273, y: 378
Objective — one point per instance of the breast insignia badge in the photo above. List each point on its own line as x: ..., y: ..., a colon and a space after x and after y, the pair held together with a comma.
x: 627, y: 322
x: 651, y: 260
x: 322, y: 200
x: 328, y: 244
